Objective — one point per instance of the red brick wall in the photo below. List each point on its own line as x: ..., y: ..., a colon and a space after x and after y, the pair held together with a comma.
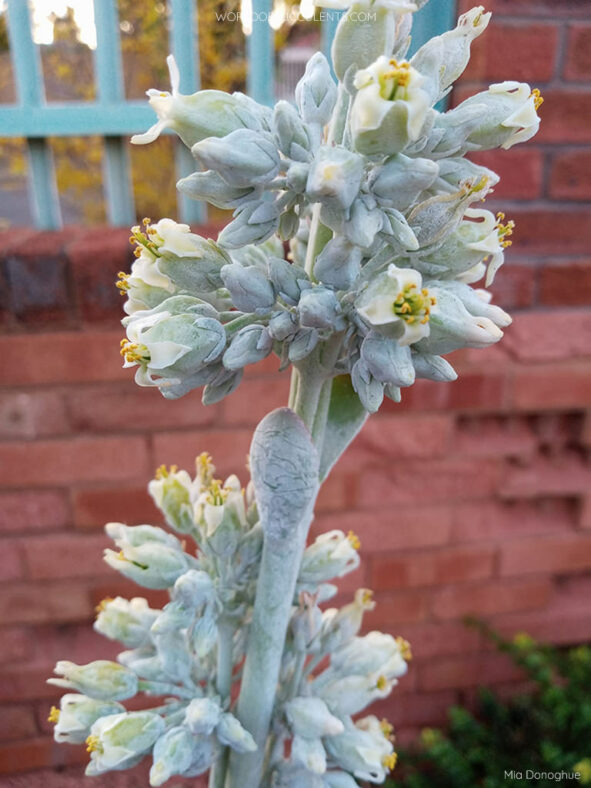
x: 468, y: 497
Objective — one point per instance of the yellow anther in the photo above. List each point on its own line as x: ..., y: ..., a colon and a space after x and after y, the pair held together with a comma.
x: 367, y: 598
x: 134, y: 353
x: 354, y: 540
x: 121, y: 556
x: 387, y: 729
x: 216, y: 494
x: 537, y: 97
x: 162, y: 472
x: 411, y: 304
x: 504, y: 230
x: 382, y: 683
x: 102, y: 605
x: 146, y: 221
x: 54, y: 714
x: 122, y: 284
x: 405, y: 648
x: 93, y: 744
x: 389, y: 761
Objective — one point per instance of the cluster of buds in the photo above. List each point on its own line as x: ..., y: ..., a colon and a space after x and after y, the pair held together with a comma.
x: 174, y: 651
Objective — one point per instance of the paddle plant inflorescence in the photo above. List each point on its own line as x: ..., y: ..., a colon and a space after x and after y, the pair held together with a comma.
x: 257, y: 681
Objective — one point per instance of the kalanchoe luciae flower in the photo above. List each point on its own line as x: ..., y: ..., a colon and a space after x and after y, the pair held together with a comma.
x: 127, y: 621
x: 119, y: 741
x: 101, y: 680
x: 397, y: 300
x: 76, y: 715
x: 390, y: 107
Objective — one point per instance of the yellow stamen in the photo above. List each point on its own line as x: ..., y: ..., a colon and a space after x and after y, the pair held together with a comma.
x: 504, y: 230
x: 405, y: 648
x: 354, y: 540
x: 216, y: 495
x: 538, y: 98
x: 387, y: 729
x: 133, y: 352
x: 121, y: 556
x: 382, y: 683
x: 205, y: 468
x: 367, y: 598
x: 102, y: 605
x: 411, y: 305
x: 93, y: 744
x: 122, y: 284
x: 162, y: 472
x: 146, y: 221
x: 54, y: 714
x: 389, y: 761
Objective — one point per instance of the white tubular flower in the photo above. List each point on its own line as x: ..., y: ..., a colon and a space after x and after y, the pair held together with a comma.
x: 231, y: 733
x: 310, y: 718
x: 76, y: 714
x: 339, y: 626
x: 173, y: 491
x: 120, y: 740
x: 219, y: 501
x: 364, y: 750
x: 203, y: 715
x: 351, y: 694
x: 397, y: 298
x: 125, y: 620
x: 390, y: 107
x: 101, y: 680
x: 493, y: 240
x: 203, y: 114
x: 309, y: 753
x: 332, y: 554
x: 376, y: 654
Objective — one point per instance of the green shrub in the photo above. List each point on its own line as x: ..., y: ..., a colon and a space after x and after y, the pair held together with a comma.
x: 523, y: 741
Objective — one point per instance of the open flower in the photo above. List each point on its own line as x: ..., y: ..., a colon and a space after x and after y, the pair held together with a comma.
x: 76, y: 715
x: 118, y: 741
x: 390, y: 107
x: 364, y: 750
x: 397, y: 298
x: 102, y: 679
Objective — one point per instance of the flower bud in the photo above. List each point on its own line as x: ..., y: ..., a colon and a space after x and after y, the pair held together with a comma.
x: 433, y: 368
x: 388, y: 360
x: 127, y: 621
x: 212, y: 188
x: 253, y: 224
x: 362, y: 35
x: 248, y: 346
x: 150, y: 565
x: 208, y: 113
x: 310, y: 718
x: 399, y: 180
x: 319, y: 308
x: 173, y: 754
x: 351, y: 694
x: 171, y: 491
x: 335, y: 177
x: 369, y: 390
x: 102, y: 679
x: 309, y: 753
x: 193, y: 589
x: 290, y: 133
x: 203, y: 715
x: 244, y: 158
x: 231, y: 733
x: 376, y: 653
x: 76, y: 715
x: 338, y: 264
x: 306, y: 622
x: 288, y: 279
x: 316, y: 91
x: 250, y: 289
x: 120, y: 740
x: 390, y: 107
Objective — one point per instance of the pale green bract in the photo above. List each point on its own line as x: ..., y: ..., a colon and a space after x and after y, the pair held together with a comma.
x: 371, y: 187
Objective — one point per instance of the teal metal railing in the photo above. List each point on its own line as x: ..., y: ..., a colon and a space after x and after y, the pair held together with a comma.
x: 114, y: 118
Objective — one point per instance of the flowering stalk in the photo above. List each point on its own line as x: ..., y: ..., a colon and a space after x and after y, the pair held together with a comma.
x: 371, y: 187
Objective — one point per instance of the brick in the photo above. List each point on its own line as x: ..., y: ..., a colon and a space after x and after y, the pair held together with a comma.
x: 473, y: 390
x: 545, y: 336
x: 470, y: 670
x: 253, y: 399
x: 74, y: 357
x: 558, y: 231
x: 486, y: 599
x: 394, y: 609
x: 228, y: 449
x: 415, y: 527
x: 553, y: 386
x: 537, y: 8
x: 494, y: 436
x: 514, y: 288
x: 129, y: 408
x: 338, y: 492
x: 39, y: 289
x: 559, y: 432
x: 35, y: 753
x: 565, y: 115
x: 37, y: 603
x: 96, y: 259
x: 16, y: 644
x: 499, y: 520
x: 585, y: 514
x: 565, y: 284
x: 60, y: 461
x: 578, y: 52
x: 17, y: 722
x: 10, y: 561
x: 96, y: 506
x: 570, y: 173
x: 514, y: 50
x: 554, y: 554
x: 32, y: 415
x: 34, y: 510
x: 434, y: 640
x: 417, y: 708
x: 388, y: 437
x: 433, y: 567
x: 564, y: 475
x: 405, y: 483
x: 65, y: 556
